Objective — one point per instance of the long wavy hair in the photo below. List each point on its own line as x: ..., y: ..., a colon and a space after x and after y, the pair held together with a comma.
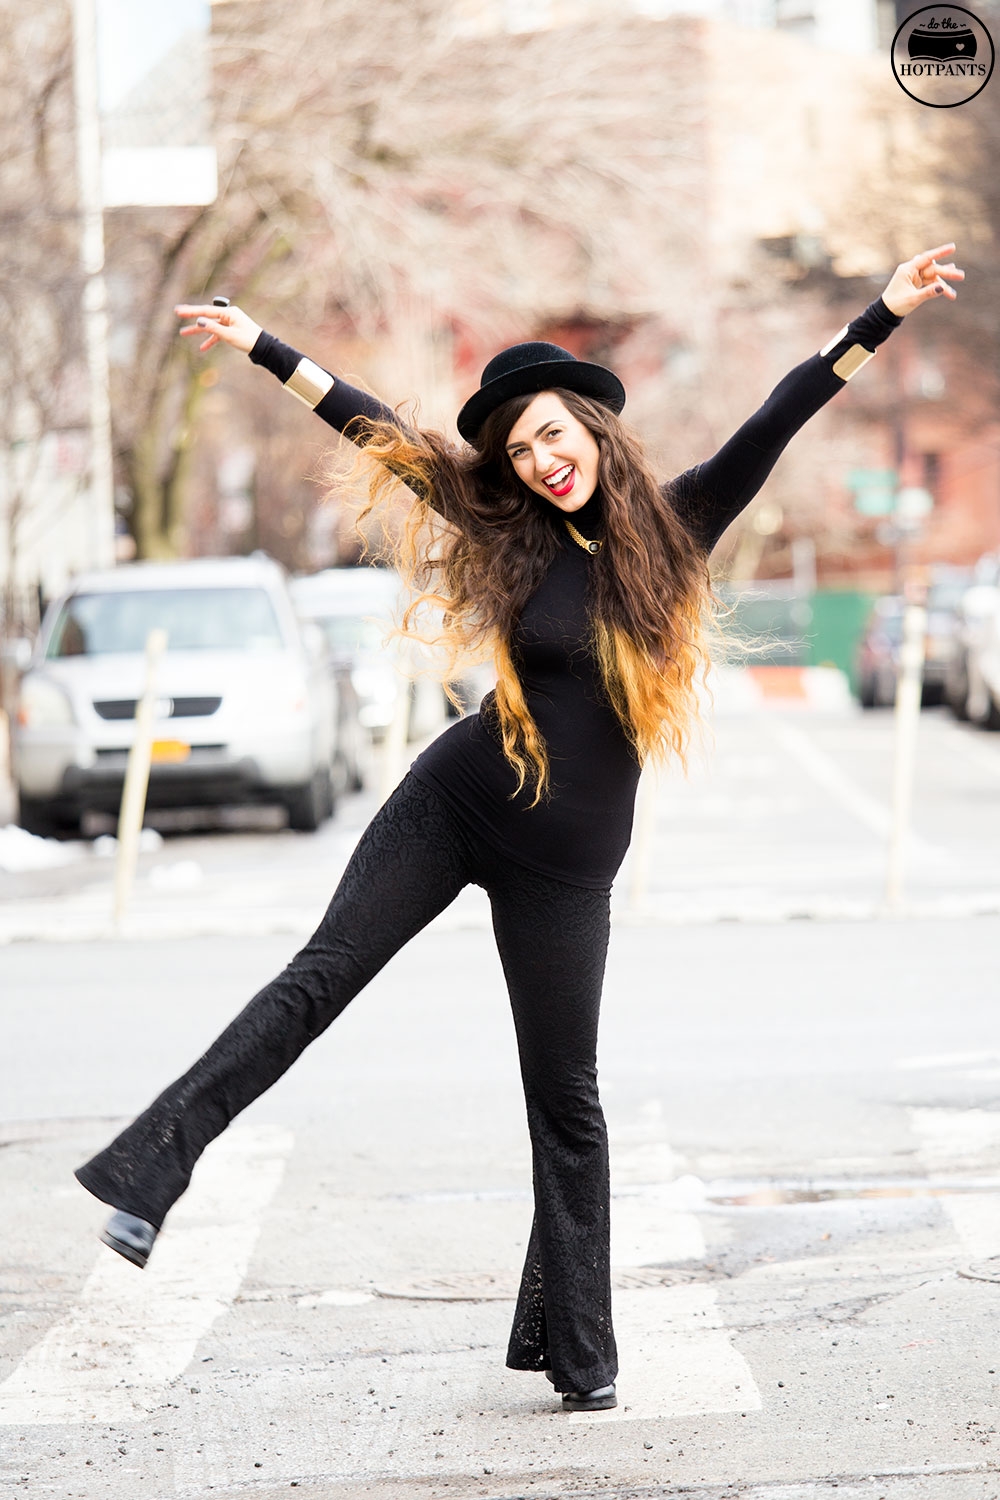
x: 477, y: 542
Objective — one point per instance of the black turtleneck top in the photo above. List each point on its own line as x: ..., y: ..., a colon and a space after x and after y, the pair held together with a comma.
x: 580, y: 832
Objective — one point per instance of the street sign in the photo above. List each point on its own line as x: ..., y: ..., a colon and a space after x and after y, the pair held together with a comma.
x: 874, y: 491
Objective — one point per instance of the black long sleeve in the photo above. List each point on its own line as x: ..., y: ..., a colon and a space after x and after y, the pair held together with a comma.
x: 344, y: 407
x: 342, y: 404
x: 711, y: 495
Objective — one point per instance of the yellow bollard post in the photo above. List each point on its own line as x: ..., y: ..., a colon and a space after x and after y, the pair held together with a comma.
x: 907, y: 720
x: 133, y: 804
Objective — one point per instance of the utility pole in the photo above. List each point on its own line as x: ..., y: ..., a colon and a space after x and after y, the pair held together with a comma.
x: 101, y: 528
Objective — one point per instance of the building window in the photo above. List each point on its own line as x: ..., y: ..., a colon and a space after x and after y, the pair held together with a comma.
x: 932, y: 473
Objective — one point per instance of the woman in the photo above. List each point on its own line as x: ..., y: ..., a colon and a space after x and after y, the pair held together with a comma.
x: 588, y: 581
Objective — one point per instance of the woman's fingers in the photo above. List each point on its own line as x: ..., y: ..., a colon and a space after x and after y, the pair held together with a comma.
x: 922, y: 278
x: 927, y: 274
x: 199, y: 329
x: 926, y: 256
x: 228, y: 325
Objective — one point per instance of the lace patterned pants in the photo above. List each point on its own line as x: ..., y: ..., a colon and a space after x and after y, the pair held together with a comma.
x: 410, y: 863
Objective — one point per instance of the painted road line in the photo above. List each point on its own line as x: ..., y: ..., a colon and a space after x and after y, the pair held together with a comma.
x: 677, y: 1358
x: 649, y: 1229
x: 928, y: 1060
x: 977, y: 754
x: 131, y: 1332
x: 868, y: 810
x: 958, y: 1139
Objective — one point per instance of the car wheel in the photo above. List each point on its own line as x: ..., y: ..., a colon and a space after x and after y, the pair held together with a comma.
x: 866, y: 692
x: 991, y: 718
x: 957, y: 697
x: 349, y: 777
x: 46, y: 820
x: 310, y: 805
x: 332, y: 794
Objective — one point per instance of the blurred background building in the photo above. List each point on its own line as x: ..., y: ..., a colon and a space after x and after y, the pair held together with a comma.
x: 849, y: 25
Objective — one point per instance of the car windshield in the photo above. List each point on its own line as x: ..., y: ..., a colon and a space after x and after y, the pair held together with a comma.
x: 194, y: 619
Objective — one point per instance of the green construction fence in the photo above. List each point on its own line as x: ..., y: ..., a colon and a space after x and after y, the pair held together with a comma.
x: 821, y: 629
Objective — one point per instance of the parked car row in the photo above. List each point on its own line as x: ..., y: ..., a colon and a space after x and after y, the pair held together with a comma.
x: 961, y: 646
x: 267, y: 693
x: 354, y: 608
x: 972, y: 676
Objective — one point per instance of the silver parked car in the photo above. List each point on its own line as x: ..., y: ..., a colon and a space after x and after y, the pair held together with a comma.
x: 356, y: 609
x: 878, y: 653
x: 972, y: 683
x: 243, y: 706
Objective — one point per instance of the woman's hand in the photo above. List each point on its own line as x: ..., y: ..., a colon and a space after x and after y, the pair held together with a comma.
x: 221, y: 325
x: 921, y: 279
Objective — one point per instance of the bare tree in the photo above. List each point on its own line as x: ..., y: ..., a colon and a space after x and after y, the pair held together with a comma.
x: 384, y: 183
x: 42, y: 391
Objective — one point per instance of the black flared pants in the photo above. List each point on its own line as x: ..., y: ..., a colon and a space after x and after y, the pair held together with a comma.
x: 411, y: 862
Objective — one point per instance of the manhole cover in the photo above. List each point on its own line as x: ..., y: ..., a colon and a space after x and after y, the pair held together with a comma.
x: 634, y: 1278
x: 502, y: 1286
x: 982, y: 1270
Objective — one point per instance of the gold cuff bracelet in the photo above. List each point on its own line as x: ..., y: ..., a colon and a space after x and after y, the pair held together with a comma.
x: 850, y: 363
x: 309, y: 383
x: 837, y: 337
x: 851, y: 360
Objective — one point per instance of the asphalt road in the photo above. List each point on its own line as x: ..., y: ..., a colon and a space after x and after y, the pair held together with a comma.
x: 806, y: 1168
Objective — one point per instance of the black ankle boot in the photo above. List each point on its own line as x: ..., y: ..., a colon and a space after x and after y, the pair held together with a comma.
x: 600, y: 1400
x: 130, y: 1236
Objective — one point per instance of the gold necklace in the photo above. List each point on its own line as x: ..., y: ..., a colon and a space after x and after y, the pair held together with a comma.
x: 580, y: 540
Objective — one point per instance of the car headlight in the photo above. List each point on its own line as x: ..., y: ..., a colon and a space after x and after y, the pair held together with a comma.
x: 43, y: 705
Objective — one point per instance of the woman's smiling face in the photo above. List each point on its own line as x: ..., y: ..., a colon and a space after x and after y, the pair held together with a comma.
x: 553, y: 453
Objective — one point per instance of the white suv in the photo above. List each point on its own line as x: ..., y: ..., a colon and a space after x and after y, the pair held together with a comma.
x: 244, y: 709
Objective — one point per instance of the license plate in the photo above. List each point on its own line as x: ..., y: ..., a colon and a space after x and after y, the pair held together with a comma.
x: 169, y: 751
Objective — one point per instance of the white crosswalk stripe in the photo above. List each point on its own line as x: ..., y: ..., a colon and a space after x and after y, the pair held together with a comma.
x: 677, y: 1358
x: 957, y: 1138
x: 132, y: 1332
x: 111, y: 1356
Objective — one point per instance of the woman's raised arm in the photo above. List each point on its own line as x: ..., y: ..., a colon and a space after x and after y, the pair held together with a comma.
x: 712, y: 494
x: 336, y: 401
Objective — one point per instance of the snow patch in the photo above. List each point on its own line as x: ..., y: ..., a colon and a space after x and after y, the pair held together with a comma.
x: 21, y: 850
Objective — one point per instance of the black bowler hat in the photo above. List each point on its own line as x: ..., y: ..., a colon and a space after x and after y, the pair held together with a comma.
x: 526, y: 369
